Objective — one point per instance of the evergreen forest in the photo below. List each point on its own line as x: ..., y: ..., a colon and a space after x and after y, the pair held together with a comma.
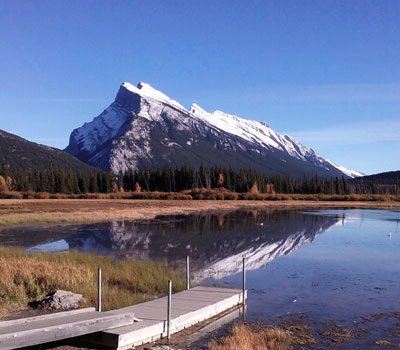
x: 168, y: 179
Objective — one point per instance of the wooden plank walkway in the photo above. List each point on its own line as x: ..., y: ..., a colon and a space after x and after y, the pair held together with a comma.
x: 30, y: 331
x: 116, y: 329
x: 188, y: 308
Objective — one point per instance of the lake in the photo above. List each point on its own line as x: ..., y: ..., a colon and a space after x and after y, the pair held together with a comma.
x: 339, y: 266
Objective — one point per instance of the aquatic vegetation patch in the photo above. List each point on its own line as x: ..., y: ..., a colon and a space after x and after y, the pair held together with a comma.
x: 246, y: 337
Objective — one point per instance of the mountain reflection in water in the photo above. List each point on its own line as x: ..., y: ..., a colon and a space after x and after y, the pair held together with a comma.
x: 215, y: 243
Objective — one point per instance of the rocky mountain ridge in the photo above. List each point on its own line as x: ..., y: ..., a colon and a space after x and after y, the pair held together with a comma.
x: 144, y: 128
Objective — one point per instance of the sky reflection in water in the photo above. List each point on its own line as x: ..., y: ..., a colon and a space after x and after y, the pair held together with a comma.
x: 351, y: 270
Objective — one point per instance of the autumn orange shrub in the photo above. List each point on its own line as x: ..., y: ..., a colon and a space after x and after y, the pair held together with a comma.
x: 254, y: 189
x: 3, y: 185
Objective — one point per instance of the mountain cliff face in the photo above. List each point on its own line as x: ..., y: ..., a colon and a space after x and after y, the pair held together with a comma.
x: 143, y: 128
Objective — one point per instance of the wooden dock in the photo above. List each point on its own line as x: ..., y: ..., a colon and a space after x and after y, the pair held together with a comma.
x: 188, y: 308
x: 116, y: 329
x: 43, y: 329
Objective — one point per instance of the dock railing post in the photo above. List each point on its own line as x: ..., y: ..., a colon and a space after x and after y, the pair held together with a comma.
x: 99, y: 291
x: 244, y: 282
x: 187, y: 273
x: 169, y: 309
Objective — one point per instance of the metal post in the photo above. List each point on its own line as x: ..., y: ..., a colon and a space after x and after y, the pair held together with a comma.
x: 99, y: 292
x: 244, y: 281
x: 169, y: 309
x: 187, y: 273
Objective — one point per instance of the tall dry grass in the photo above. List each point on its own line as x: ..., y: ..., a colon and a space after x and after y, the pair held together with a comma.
x: 243, y: 338
x: 26, y: 277
x: 204, y: 194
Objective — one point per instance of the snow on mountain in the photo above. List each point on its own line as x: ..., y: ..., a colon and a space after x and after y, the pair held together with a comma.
x: 106, y: 125
x: 145, y: 90
x: 349, y: 173
x: 249, y: 130
x: 143, y: 127
x: 260, y: 133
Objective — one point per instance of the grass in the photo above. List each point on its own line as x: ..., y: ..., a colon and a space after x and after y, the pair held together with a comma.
x: 119, y: 195
x: 203, y: 194
x: 29, y: 276
x: 35, y: 218
x: 244, y: 338
x: 37, y: 211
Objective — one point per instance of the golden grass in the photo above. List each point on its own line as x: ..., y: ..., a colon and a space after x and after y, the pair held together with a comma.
x: 25, y: 277
x: 119, y: 195
x: 38, y: 218
x: 202, y: 194
x: 24, y: 211
x: 243, y: 338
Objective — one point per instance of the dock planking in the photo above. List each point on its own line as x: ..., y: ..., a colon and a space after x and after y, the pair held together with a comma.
x: 188, y: 308
x: 117, y: 329
x: 43, y: 329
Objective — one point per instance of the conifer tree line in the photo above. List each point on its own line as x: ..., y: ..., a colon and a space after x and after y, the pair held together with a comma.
x: 168, y: 179
x: 57, y: 180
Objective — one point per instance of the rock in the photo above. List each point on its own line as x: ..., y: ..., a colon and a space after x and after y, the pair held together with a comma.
x: 59, y: 300
x: 160, y: 347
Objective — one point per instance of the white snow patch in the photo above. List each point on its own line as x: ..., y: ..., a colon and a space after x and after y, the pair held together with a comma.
x: 146, y: 90
x: 258, y: 133
x: 102, y: 128
x: 352, y: 173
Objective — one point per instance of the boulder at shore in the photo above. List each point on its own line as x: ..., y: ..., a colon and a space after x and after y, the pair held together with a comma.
x: 59, y: 300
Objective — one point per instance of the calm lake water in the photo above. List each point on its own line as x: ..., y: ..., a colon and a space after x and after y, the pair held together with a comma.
x: 331, y: 265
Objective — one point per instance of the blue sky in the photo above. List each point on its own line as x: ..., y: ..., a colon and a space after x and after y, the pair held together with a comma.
x: 325, y: 72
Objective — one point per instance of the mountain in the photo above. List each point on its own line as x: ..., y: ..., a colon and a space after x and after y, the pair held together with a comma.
x: 390, y: 177
x: 18, y: 153
x: 382, y: 183
x: 144, y: 128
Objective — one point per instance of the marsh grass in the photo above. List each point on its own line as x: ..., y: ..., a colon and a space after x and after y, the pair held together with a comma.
x: 204, y: 194
x: 244, y: 338
x: 225, y: 194
x: 119, y: 195
x: 73, y: 210
x: 29, y: 276
x: 39, y: 218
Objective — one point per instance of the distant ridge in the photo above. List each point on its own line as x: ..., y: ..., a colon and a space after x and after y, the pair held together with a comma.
x: 144, y: 128
x: 387, y: 178
x: 382, y: 183
x: 19, y: 153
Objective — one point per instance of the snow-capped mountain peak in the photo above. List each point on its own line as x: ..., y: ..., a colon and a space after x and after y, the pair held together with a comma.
x: 147, y: 91
x: 144, y: 127
x: 195, y: 109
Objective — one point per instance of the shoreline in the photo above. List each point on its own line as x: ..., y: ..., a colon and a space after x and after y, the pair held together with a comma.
x: 41, y: 211
x: 325, y: 333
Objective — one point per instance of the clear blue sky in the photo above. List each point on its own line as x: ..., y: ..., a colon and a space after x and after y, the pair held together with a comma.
x: 326, y: 72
